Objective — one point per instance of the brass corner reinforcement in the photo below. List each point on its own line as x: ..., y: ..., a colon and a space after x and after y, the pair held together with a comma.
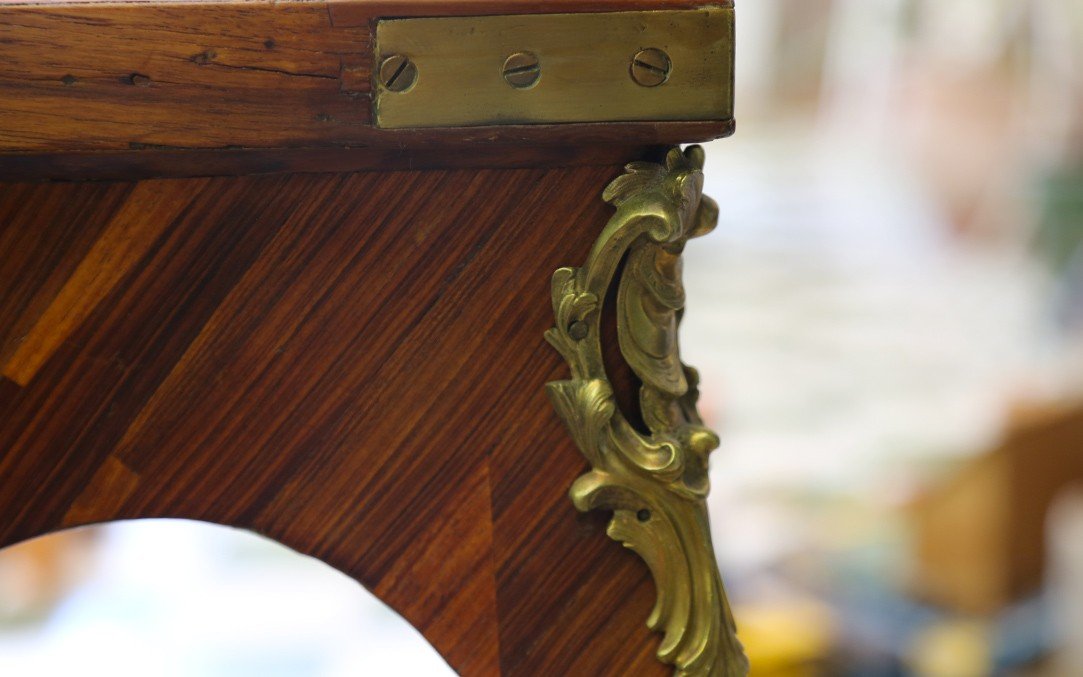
x: 673, y: 65
x: 653, y: 479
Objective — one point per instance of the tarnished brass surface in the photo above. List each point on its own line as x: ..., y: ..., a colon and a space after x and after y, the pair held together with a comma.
x: 585, y: 68
x: 655, y: 481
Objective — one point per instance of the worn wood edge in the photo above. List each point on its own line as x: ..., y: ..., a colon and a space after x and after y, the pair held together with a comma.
x: 497, y: 147
x: 340, y: 9
x: 248, y: 76
x: 421, y: 7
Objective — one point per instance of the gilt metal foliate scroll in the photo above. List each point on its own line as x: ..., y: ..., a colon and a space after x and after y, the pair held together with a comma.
x: 654, y: 481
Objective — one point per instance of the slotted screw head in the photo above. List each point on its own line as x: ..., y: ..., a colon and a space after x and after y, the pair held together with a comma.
x: 651, y: 67
x: 397, y: 73
x: 522, y: 70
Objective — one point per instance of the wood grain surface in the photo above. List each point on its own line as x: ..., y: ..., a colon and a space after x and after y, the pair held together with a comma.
x: 351, y: 364
x: 146, y: 77
x: 514, y: 146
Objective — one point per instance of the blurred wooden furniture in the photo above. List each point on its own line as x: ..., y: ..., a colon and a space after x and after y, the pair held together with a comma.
x: 228, y: 293
x: 981, y: 536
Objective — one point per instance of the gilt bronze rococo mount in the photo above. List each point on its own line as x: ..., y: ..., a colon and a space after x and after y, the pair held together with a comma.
x: 654, y: 480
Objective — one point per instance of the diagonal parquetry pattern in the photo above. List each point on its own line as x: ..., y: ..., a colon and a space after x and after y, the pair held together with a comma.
x: 350, y: 364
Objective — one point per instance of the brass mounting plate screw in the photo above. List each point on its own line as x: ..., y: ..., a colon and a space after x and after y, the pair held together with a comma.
x: 651, y: 67
x: 522, y: 70
x: 397, y: 73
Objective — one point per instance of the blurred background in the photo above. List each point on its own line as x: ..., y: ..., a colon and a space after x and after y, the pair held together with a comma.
x: 889, y: 322
x: 889, y: 325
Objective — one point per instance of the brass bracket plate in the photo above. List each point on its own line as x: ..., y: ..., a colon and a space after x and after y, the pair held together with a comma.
x: 585, y: 64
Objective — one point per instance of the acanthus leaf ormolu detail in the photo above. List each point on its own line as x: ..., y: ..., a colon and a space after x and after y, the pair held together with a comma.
x: 654, y: 482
